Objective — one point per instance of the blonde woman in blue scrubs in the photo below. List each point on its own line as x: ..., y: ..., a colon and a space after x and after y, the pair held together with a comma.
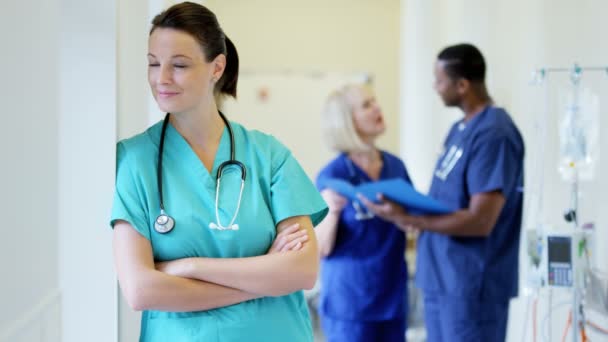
x: 196, y: 282
x: 363, y: 270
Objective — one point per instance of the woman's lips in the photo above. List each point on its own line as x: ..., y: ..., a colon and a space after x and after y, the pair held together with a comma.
x: 167, y: 94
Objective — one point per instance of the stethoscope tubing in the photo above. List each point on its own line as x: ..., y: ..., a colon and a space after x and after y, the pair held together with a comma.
x: 165, y: 223
x: 361, y: 213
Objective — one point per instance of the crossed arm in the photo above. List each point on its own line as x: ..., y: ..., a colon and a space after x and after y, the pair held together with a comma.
x: 195, y: 284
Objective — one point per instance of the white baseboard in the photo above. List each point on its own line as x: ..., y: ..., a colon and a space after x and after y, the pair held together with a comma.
x: 42, y: 323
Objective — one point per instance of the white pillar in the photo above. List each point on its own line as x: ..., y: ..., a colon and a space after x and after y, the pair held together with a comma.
x: 418, y: 140
x: 87, y: 131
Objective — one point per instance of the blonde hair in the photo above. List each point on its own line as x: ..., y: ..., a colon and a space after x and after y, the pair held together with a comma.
x: 337, y: 124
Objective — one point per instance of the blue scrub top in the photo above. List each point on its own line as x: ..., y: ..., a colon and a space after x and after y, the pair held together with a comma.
x: 364, y: 277
x: 276, y: 188
x: 483, y: 155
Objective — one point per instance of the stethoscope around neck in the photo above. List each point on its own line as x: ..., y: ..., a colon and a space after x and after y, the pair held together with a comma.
x: 164, y: 223
x: 361, y: 213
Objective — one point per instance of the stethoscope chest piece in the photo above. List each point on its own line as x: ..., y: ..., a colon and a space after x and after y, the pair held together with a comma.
x: 164, y: 223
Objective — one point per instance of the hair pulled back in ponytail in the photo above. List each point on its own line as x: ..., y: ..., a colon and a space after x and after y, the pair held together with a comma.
x: 198, y: 21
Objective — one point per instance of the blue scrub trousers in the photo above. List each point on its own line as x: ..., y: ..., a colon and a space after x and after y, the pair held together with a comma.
x: 336, y: 330
x: 456, y: 319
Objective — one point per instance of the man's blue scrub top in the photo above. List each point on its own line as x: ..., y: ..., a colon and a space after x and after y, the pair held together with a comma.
x: 483, y: 155
x: 276, y: 188
x: 364, y: 277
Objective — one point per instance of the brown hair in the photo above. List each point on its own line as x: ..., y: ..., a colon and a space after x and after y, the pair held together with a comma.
x: 198, y: 21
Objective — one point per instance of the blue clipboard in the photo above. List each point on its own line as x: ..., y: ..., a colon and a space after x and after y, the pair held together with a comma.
x: 396, y: 190
x: 340, y: 186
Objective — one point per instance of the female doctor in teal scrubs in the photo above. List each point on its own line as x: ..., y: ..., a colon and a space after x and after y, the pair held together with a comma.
x: 209, y: 259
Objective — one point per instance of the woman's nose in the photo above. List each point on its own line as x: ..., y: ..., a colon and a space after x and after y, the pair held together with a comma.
x: 165, y: 76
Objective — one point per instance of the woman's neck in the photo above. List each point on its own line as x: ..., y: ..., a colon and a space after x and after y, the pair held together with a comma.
x: 201, y: 129
x: 369, y: 161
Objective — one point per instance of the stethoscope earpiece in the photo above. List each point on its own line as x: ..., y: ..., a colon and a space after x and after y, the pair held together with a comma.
x: 213, y: 225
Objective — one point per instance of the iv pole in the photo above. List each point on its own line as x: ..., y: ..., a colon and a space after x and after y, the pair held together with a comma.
x: 578, y: 317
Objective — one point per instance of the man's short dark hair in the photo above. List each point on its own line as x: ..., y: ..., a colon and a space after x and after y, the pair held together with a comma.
x: 463, y: 61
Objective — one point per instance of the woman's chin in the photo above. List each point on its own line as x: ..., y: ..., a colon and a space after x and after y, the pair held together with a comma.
x: 168, y: 108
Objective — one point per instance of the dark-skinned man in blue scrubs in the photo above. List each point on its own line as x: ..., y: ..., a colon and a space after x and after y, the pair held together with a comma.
x: 467, y: 262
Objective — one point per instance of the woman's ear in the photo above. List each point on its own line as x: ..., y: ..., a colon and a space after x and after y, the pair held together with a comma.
x: 219, y: 64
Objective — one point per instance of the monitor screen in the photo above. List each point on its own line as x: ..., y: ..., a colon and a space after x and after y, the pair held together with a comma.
x: 559, y: 249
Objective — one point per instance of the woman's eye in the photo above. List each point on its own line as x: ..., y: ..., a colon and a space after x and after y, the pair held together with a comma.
x: 180, y: 66
x: 153, y: 64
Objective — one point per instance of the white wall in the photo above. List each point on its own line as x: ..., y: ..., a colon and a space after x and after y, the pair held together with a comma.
x: 58, y: 93
x: 347, y: 36
x: 29, y: 95
x: 516, y: 37
x: 87, y: 127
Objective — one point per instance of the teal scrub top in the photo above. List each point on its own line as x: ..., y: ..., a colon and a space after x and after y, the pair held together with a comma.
x: 276, y: 188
